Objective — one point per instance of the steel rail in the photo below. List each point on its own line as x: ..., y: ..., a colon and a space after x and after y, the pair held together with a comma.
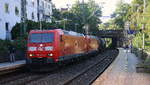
x: 67, y: 82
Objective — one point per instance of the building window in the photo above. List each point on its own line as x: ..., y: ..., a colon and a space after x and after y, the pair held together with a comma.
x: 8, y: 34
x: 49, y: 6
x: 7, y: 8
x: 32, y: 15
x: 26, y: 15
x: 7, y: 26
x: 43, y: 4
x: 26, y: 3
x: 33, y: 3
x: 38, y: 16
x: 16, y: 11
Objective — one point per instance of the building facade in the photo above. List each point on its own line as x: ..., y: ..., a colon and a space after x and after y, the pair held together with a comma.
x: 31, y: 10
x: 10, y: 13
x: 44, y: 10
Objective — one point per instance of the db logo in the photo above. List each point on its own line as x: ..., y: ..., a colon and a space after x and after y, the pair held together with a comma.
x: 40, y: 48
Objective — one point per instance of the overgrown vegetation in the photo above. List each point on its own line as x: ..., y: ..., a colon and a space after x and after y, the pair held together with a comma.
x: 20, y: 47
x: 79, y: 16
x: 138, y: 18
x: 4, y: 47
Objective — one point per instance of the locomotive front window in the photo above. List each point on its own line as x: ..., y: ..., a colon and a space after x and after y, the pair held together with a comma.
x: 47, y: 37
x: 41, y: 37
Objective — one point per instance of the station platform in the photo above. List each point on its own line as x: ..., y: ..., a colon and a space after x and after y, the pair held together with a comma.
x: 123, y: 71
x: 11, y: 65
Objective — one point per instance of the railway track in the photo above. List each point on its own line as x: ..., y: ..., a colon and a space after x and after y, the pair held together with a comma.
x: 20, y: 76
x: 87, y: 76
x: 22, y: 79
x: 75, y: 74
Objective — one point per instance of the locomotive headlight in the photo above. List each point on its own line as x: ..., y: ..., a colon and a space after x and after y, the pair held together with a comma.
x: 31, y: 48
x: 49, y: 48
x: 31, y: 55
x: 50, y: 54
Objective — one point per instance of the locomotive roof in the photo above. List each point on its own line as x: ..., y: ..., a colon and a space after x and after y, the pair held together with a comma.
x: 72, y: 33
x: 65, y: 32
x: 60, y: 30
x: 43, y: 30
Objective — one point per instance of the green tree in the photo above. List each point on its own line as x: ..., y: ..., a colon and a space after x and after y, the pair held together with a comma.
x: 31, y: 25
x: 56, y: 14
x: 87, y: 14
x: 137, y: 17
x: 121, y: 15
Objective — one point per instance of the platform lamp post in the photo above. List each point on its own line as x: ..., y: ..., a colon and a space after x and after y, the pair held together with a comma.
x: 83, y: 17
x: 143, y: 27
x: 137, y: 10
x: 85, y: 29
x: 64, y: 20
x: 76, y: 24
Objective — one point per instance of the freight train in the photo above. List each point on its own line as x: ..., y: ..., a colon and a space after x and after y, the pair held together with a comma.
x: 56, y: 46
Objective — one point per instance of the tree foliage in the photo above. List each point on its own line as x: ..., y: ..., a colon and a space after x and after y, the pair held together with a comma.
x: 121, y: 15
x: 56, y: 14
x: 87, y: 14
x: 137, y: 16
x: 31, y: 25
x: 79, y: 15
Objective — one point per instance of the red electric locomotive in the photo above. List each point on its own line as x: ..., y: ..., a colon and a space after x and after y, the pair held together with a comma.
x: 54, y: 46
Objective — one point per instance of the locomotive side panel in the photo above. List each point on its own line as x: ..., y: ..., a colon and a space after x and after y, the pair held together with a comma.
x: 72, y: 46
x: 82, y: 44
x: 94, y: 44
x: 66, y: 44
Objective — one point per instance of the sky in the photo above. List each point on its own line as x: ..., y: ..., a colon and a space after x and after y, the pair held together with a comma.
x: 109, y: 6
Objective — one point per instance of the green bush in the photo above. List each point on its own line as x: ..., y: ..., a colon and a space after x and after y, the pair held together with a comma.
x: 20, y: 46
x: 4, y: 47
x: 139, y: 53
x: 147, y: 62
x: 20, y: 43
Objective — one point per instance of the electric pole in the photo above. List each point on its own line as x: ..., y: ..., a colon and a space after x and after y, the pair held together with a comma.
x: 143, y: 26
x: 40, y: 13
x: 85, y: 26
x: 23, y: 16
